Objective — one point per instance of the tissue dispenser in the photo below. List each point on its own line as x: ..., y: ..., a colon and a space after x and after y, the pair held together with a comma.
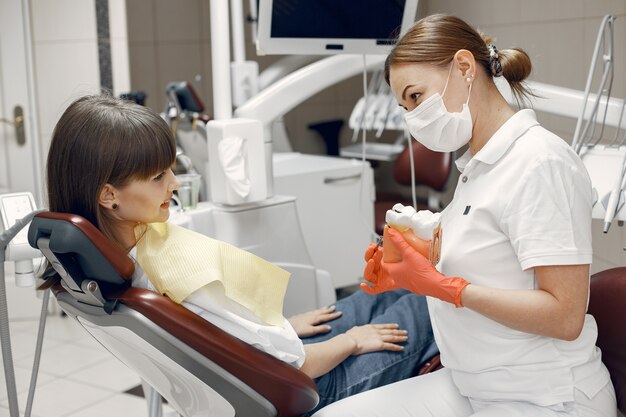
x: 237, y: 163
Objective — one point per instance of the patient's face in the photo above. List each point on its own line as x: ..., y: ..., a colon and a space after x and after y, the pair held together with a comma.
x: 147, y: 201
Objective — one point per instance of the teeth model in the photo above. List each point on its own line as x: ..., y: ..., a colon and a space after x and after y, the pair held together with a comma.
x: 418, y: 228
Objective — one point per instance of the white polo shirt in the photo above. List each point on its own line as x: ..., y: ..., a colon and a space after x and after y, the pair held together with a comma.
x: 524, y: 200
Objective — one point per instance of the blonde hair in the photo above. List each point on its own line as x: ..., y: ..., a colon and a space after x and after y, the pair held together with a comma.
x: 435, y: 39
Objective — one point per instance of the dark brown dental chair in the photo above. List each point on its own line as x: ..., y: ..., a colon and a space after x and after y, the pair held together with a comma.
x: 607, y: 304
x: 195, y: 366
x: 432, y: 169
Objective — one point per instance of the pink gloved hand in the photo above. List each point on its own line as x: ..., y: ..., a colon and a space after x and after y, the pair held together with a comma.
x: 414, y: 273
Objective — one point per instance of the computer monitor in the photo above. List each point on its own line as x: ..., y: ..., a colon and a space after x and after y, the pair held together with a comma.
x: 327, y: 27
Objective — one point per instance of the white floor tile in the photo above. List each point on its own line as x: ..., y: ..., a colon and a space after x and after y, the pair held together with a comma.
x: 22, y: 379
x: 120, y: 405
x: 110, y: 374
x: 23, y: 343
x: 5, y: 412
x: 67, y: 358
x: 18, y: 326
x: 61, y: 397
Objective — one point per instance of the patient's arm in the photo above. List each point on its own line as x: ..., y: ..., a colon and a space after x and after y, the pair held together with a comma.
x: 312, y: 322
x: 324, y: 356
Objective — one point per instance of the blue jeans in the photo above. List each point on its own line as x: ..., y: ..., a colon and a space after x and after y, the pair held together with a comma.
x: 364, y: 372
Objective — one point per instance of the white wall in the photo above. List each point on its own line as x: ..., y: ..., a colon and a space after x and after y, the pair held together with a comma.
x: 118, y: 30
x: 169, y: 41
x: 66, y: 58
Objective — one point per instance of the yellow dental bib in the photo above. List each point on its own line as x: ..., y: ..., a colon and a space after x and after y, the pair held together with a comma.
x: 179, y: 261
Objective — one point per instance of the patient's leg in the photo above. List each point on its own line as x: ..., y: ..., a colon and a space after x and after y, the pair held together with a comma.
x: 364, y: 372
x: 358, y: 309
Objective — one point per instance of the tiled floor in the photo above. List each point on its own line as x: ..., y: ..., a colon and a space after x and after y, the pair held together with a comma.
x: 77, y: 376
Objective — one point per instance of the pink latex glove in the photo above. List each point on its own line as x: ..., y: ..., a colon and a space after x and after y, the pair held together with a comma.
x: 414, y: 273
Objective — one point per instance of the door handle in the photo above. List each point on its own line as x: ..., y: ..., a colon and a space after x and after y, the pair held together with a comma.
x: 18, y: 124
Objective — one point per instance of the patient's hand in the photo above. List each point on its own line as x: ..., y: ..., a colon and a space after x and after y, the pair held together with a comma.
x: 310, y: 323
x: 375, y: 337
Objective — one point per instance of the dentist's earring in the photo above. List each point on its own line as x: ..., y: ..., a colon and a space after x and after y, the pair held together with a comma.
x: 469, y: 79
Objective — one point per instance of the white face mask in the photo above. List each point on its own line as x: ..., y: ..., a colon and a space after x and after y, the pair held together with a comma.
x: 436, y: 128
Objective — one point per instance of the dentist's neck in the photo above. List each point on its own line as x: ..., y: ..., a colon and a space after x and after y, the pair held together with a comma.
x: 491, y: 111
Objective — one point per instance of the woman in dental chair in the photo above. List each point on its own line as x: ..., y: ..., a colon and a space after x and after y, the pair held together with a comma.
x: 109, y: 162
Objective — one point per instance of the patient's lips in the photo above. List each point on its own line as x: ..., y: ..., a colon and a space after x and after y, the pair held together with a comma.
x: 419, y: 230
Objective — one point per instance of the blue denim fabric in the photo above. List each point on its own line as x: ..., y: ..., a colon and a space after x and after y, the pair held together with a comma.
x: 363, y: 372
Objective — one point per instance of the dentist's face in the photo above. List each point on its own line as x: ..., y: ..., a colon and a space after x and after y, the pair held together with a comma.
x: 147, y: 201
x: 412, y: 84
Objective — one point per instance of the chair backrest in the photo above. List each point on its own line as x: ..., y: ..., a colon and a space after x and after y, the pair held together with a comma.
x: 607, y: 303
x: 195, y: 366
x: 432, y: 169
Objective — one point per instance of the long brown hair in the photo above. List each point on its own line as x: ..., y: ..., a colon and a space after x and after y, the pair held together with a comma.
x: 436, y: 38
x: 98, y: 140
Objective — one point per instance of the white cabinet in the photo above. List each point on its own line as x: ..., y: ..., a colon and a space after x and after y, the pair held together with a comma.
x: 335, y: 204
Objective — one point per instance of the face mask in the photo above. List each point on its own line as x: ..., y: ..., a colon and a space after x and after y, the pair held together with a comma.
x: 436, y: 128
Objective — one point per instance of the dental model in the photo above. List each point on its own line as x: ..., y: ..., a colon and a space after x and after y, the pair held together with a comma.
x: 421, y: 230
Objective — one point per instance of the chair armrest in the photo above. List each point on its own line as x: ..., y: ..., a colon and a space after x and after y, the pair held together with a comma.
x: 291, y: 391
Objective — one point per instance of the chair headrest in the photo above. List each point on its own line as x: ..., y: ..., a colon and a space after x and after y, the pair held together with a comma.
x: 606, y: 304
x: 432, y: 169
x: 73, y: 238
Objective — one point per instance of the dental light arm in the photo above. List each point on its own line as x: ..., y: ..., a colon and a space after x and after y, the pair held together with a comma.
x: 563, y: 101
x: 302, y: 84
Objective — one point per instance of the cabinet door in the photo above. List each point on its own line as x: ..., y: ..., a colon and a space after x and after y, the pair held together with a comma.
x: 336, y: 213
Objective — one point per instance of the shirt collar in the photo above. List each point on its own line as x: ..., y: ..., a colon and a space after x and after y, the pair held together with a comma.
x: 502, y: 140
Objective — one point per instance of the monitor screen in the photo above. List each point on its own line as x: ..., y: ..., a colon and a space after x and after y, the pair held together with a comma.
x: 323, y: 27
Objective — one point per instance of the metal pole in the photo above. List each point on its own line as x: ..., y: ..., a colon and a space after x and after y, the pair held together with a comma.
x: 5, y: 335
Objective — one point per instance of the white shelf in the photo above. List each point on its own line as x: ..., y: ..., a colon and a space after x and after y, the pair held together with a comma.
x: 373, y: 151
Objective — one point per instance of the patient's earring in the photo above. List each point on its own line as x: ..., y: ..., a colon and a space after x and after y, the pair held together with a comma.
x: 114, y: 206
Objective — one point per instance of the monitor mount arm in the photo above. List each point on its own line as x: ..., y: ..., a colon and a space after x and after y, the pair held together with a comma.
x: 302, y: 84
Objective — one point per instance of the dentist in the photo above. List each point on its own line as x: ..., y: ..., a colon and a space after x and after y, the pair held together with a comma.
x: 508, y: 298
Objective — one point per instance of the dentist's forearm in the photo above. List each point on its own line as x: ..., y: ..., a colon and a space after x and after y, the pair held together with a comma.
x: 555, y: 309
